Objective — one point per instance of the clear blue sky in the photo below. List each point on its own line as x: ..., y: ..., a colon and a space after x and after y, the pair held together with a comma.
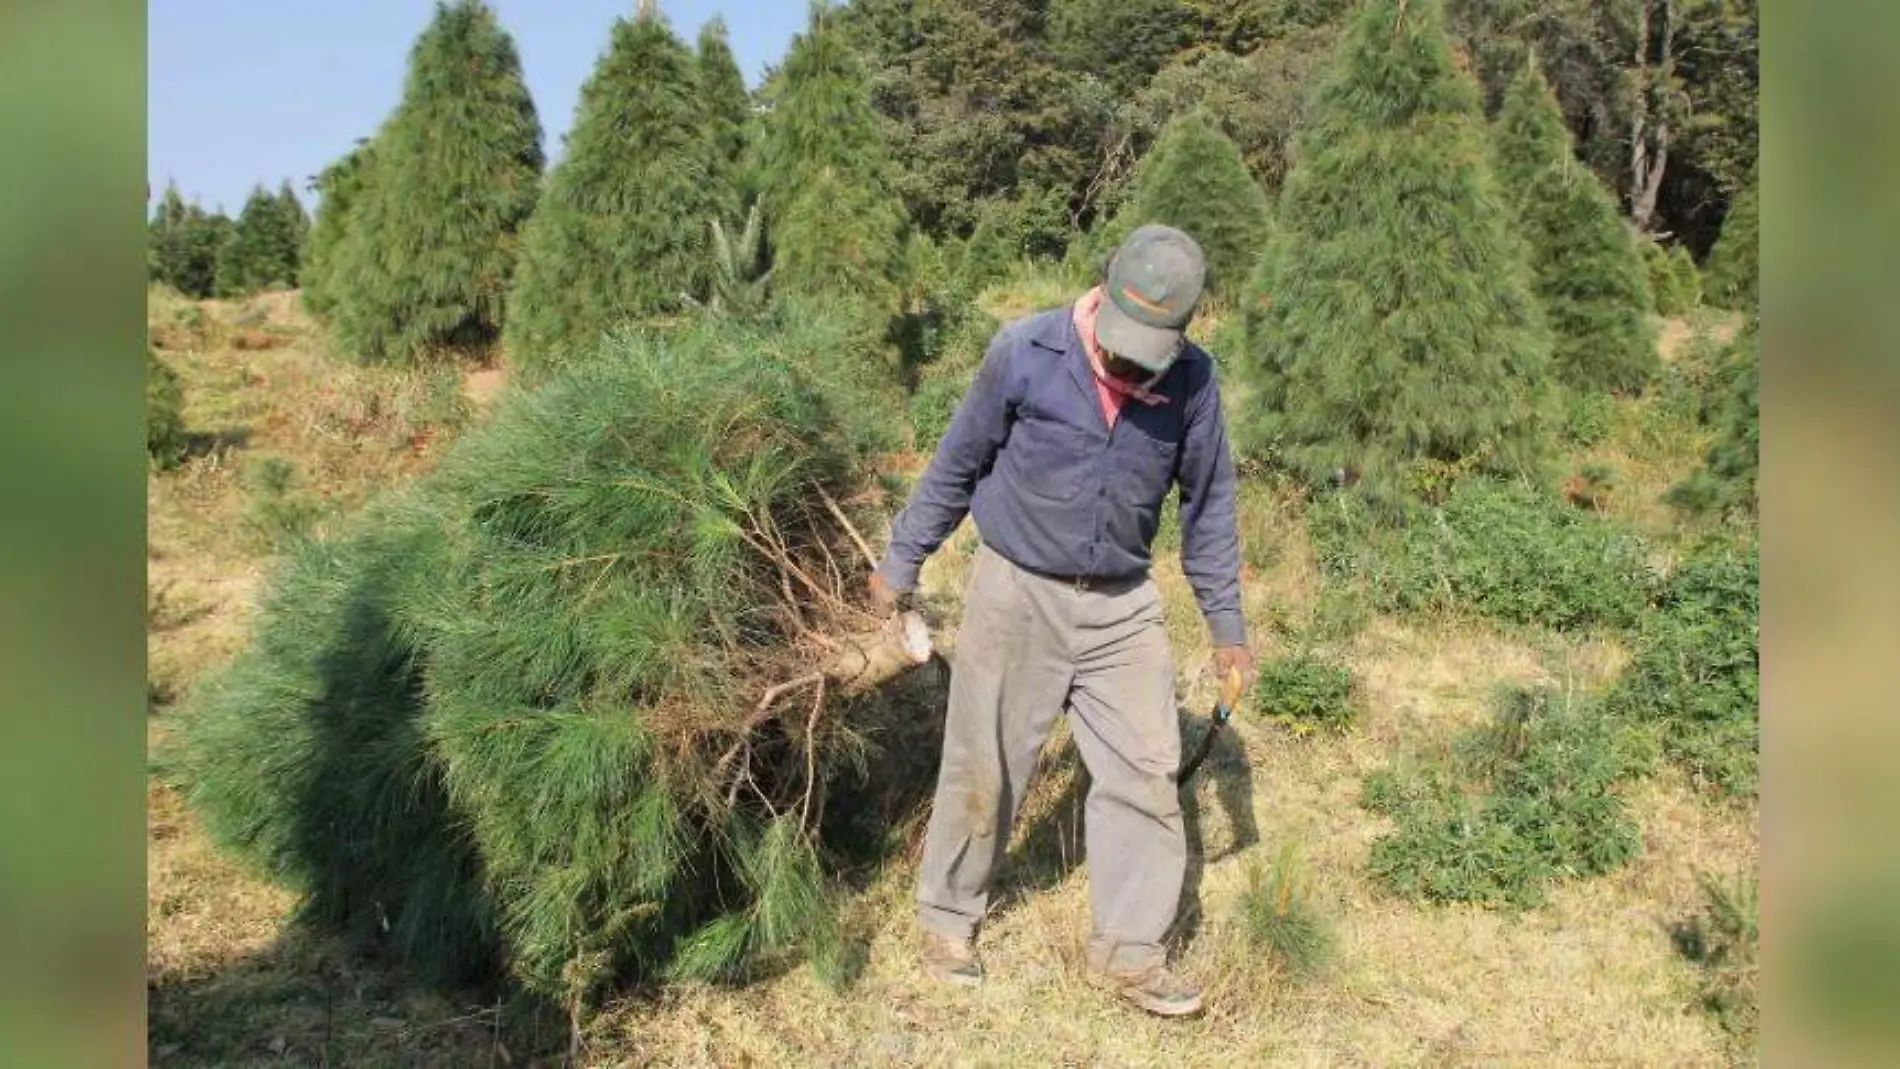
x: 248, y: 91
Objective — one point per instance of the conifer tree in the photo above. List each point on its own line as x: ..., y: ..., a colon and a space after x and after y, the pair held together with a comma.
x: 1195, y: 180
x: 164, y: 420
x: 821, y: 148
x: 622, y: 229
x: 206, y: 235
x: 263, y: 250
x: 165, y: 237
x: 1392, y: 332
x: 1675, y: 287
x: 1734, y: 271
x: 296, y: 230
x: 726, y: 104
x: 1585, y: 268
x: 430, y: 250
x: 338, y: 185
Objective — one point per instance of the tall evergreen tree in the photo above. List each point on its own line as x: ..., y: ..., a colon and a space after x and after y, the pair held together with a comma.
x: 338, y: 186
x: 622, y: 229
x: 1392, y: 330
x: 1195, y: 180
x: 1586, y: 269
x: 1734, y: 268
x: 820, y: 150
x: 166, y: 239
x: 427, y: 259
x: 726, y: 104
x: 296, y: 229
x: 205, y: 236
x: 262, y: 252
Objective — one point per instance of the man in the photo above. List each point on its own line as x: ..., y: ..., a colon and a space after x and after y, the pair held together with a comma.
x: 1079, y: 423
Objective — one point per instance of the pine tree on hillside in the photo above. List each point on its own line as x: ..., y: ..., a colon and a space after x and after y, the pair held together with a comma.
x: 726, y: 104
x: 622, y: 229
x: 165, y: 238
x: 1392, y: 332
x: 837, y: 240
x: 205, y: 238
x: 338, y: 186
x: 262, y: 253
x: 295, y: 223
x: 1734, y: 268
x: 431, y: 246
x: 821, y: 148
x: 1586, y: 269
x: 1194, y: 179
x: 231, y: 272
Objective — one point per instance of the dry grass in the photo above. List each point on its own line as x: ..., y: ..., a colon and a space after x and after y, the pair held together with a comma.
x: 1590, y: 978
x: 350, y: 432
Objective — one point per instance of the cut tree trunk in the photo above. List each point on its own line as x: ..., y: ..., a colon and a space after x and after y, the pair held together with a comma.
x: 872, y: 658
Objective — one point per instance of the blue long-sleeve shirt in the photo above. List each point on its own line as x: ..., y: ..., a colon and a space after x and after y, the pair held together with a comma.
x: 1056, y: 490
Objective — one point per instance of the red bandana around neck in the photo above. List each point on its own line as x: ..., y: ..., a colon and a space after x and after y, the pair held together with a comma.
x: 1084, y: 315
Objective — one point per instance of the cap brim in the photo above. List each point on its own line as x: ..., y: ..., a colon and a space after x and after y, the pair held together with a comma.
x: 1154, y: 348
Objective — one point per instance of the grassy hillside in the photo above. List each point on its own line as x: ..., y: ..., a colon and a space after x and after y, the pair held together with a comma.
x: 285, y: 438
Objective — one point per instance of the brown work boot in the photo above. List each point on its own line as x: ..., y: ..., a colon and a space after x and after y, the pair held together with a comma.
x: 950, y: 960
x: 1156, y: 989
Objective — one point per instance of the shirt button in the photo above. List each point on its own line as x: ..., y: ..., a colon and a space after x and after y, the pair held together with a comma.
x: 1101, y: 491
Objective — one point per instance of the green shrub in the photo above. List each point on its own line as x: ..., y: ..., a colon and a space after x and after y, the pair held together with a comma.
x: 1502, y: 550
x: 1674, y: 285
x: 1305, y: 692
x: 1280, y: 918
x: 942, y: 383
x: 164, y: 419
x: 1726, y: 481
x: 1696, y: 668
x: 1588, y: 418
x: 1693, y: 385
x: 1688, y: 279
x: 485, y: 728
x: 1735, y: 262
x: 1724, y: 939
x: 279, y: 511
x: 1515, y: 806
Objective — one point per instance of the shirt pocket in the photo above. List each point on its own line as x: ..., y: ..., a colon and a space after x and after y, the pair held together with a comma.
x: 1145, y: 468
x: 1048, y: 458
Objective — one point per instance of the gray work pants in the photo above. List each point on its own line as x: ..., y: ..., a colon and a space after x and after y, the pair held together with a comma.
x: 1029, y: 648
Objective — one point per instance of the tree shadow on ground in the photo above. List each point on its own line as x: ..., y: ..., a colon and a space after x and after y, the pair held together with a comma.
x: 309, y: 999
x: 206, y: 443
x: 1051, y: 845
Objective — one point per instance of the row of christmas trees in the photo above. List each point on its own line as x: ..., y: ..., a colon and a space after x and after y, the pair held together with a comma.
x: 1424, y: 282
x: 207, y: 254
x: 441, y: 231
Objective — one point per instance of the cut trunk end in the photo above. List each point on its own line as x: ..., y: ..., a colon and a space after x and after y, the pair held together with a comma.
x: 872, y: 658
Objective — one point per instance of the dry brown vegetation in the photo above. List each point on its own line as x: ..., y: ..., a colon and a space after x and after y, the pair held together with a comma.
x: 1589, y: 978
